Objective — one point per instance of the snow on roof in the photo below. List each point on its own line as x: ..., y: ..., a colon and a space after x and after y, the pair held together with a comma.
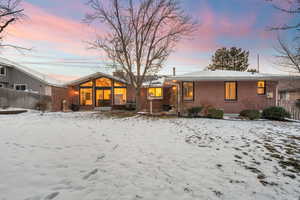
x: 32, y: 73
x: 228, y: 75
x: 155, y: 83
x: 92, y: 76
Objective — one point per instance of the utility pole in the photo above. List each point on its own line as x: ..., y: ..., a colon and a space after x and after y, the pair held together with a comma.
x: 258, y: 63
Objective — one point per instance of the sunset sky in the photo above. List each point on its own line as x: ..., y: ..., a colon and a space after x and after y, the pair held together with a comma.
x: 55, y: 31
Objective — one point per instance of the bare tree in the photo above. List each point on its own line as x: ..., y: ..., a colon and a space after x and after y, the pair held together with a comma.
x: 288, y: 56
x: 142, y: 34
x: 9, y: 14
x: 288, y: 53
x: 292, y: 8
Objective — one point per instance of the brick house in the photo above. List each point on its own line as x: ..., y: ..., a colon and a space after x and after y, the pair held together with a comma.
x: 228, y: 90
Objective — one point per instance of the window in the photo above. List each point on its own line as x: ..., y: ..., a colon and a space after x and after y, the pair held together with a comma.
x: 155, y: 92
x: 230, y: 91
x: 119, y: 84
x: 2, y: 71
x: 86, y: 96
x: 1, y: 85
x: 20, y: 87
x: 87, y: 84
x: 120, y: 96
x: 188, y: 91
x: 103, y: 82
x: 261, y: 87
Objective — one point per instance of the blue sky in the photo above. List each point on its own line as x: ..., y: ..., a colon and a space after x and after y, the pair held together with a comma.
x: 55, y: 31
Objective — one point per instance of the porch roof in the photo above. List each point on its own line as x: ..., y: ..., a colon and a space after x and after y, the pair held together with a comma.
x: 222, y: 75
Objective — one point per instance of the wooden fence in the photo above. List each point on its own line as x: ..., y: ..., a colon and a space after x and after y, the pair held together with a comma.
x: 291, y: 107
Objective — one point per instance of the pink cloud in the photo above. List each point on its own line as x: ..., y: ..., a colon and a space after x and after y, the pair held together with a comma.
x: 63, y: 34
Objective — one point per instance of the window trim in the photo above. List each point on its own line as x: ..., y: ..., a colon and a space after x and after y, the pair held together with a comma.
x: 265, y: 88
x: 20, y: 84
x: 3, y: 75
x: 183, y: 97
x: 155, y: 97
x: 236, y: 91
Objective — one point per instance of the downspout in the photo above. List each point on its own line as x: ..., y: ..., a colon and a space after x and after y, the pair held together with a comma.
x: 277, y: 104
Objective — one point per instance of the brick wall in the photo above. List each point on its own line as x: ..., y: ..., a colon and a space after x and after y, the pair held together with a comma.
x: 157, y: 104
x: 213, y: 92
x: 58, y: 95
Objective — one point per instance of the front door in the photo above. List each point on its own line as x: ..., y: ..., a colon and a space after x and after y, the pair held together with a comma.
x: 103, y: 97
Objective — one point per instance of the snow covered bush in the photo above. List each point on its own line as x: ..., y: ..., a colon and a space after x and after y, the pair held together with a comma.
x: 275, y: 113
x: 215, y: 113
x: 251, y: 114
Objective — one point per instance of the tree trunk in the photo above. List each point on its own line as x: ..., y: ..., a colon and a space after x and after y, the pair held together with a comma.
x: 138, y: 99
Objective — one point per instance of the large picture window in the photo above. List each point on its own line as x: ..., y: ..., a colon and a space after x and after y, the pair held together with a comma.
x: 87, y: 84
x: 119, y: 84
x: 155, y: 93
x: 261, y: 87
x: 188, y: 91
x: 120, y: 96
x: 103, y: 82
x: 230, y: 91
x: 86, y: 96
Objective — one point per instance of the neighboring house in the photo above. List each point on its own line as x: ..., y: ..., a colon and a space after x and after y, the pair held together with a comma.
x: 289, y: 90
x: 18, y: 82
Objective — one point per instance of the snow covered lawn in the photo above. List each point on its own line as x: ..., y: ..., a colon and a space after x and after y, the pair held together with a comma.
x: 87, y: 156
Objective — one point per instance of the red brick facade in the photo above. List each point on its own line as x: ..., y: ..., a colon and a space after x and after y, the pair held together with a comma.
x: 157, y: 104
x: 206, y: 93
x: 212, y: 93
x: 58, y: 95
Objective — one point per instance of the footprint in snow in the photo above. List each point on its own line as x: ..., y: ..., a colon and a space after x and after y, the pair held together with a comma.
x: 51, y: 196
x: 90, y: 174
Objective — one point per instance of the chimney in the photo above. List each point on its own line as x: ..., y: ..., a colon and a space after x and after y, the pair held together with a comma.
x: 174, y: 71
x: 119, y: 74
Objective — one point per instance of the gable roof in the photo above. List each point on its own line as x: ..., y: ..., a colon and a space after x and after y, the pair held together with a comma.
x: 93, y: 76
x: 32, y: 73
x: 223, y: 75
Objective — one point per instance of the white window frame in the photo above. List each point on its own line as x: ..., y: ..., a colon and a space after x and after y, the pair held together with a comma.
x: 15, y: 87
x: 4, y: 71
